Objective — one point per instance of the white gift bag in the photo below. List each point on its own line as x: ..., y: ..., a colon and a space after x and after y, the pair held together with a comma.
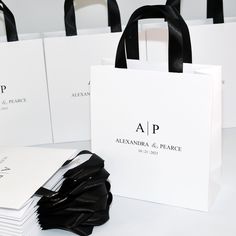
x: 23, y: 174
x: 24, y: 105
x: 68, y: 62
x: 211, y: 44
x: 158, y: 131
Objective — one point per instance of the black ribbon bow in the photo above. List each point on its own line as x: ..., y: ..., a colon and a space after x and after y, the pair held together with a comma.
x: 82, y: 202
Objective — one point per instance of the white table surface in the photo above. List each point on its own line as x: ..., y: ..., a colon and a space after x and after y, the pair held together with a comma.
x: 132, y: 217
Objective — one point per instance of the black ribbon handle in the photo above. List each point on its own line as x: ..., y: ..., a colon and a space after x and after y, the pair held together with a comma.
x: 10, y: 23
x: 132, y: 45
x: 114, y: 19
x: 215, y: 9
x: 177, y: 42
x: 174, y: 3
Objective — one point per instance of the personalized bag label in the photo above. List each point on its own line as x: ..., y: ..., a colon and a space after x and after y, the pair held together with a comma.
x: 4, y: 170
x: 9, y: 101
x: 145, y: 145
x: 2, y: 88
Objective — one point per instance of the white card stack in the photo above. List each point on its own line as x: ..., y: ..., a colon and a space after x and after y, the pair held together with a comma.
x: 22, y: 172
x: 20, y: 222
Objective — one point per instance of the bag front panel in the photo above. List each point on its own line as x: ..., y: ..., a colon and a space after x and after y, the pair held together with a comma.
x: 154, y: 131
x: 24, y: 105
x: 68, y: 62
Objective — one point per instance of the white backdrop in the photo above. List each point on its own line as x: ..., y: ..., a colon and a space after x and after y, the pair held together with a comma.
x: 47, y: 15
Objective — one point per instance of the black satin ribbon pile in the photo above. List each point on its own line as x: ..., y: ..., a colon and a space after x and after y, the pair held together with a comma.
x: 82, y: 202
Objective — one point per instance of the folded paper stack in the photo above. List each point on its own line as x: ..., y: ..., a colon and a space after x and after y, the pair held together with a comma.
x: 75, y: 195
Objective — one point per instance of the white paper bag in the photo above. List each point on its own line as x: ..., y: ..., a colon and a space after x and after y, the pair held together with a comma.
x: 27, y: 169
x: 24, y: 105
x: 159, y: 132
x: 68, y: 61
x: 23, y: 171
x: 211, y: 44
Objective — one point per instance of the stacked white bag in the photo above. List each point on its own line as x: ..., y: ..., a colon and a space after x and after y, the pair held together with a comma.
x: 22, y: 172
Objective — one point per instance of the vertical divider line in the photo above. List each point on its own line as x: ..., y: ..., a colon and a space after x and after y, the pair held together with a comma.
x: 49, y: 102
